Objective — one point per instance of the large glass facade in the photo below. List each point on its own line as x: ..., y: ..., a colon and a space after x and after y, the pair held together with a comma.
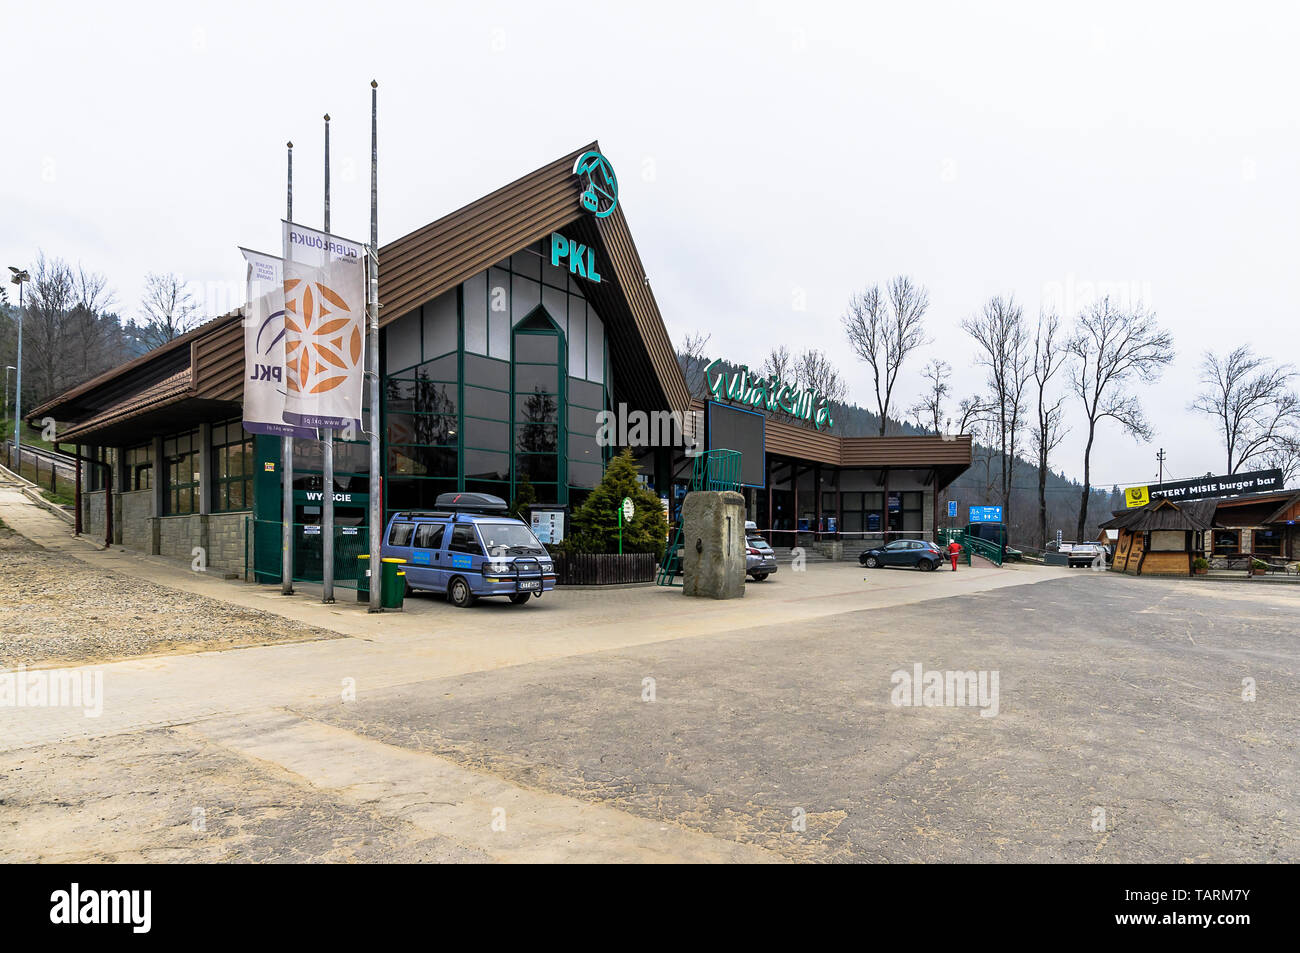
x: 495, y: 382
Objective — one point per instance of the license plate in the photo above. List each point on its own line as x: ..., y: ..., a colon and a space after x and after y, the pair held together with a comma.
x: 530, y: 584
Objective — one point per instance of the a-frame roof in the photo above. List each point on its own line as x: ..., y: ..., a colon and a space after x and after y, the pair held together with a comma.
x: 436, y: 258
x: 426, y: 263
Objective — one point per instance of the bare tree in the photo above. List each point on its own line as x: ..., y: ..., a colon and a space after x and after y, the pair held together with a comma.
x: 693, y: 361
x: 168, y: 309
x: 971, y: 411
x: 1109, y: 348
x: 814, y: 369
x: 779, y: 363
x: 928, y: 411
x: 46, y: 333
x: 883, y: 328
x: 97, y: 335
x: 1000, y: 332
x: 1049, y: 431
x: 1253, y: 403
x: 1284, y: 456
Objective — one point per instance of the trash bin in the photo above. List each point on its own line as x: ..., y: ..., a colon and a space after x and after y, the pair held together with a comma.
x: 392, y: 589
x: 363, y: 578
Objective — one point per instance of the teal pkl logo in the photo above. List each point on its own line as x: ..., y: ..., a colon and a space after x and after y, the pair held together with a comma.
x: 582, y: 258
x: 599, y: 184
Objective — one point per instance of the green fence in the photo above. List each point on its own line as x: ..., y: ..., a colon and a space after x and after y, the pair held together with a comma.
x: 264, y: 548
x: 972, y: 544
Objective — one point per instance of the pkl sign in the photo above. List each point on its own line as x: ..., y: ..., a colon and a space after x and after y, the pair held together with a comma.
x: 986, y: 514
x: 582, y: 260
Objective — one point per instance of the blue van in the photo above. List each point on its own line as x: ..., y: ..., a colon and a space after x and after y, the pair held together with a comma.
x: 468, y: 548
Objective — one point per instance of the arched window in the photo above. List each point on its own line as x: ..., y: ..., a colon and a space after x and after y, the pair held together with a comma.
x: 538, y: 391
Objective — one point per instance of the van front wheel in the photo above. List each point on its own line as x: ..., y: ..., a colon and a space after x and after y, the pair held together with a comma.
x: 519, y: 598
x: 458, y: 594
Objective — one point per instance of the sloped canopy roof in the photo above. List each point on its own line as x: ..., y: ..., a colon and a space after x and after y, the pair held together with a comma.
x: 1193, y: 515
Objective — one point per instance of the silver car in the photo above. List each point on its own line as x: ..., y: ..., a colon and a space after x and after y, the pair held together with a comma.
x: 760, y: 561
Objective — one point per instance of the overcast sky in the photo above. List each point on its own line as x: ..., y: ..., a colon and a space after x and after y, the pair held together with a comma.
x: 769, y: 154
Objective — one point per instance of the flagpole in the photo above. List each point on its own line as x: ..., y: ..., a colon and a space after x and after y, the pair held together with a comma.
x: 372, y: 357
x: 327, y: 439
x: 286, y: 455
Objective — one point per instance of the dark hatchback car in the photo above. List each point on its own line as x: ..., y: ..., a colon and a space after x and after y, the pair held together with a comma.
x: 914, y: 553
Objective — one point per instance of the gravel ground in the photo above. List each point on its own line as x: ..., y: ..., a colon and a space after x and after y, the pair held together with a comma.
x: 171, y: 795
x: 57, y: 610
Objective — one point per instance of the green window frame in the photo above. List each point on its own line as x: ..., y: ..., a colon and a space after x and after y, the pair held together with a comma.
x: 139, y: 467
x: 232, y: 468
x: 181, y: 458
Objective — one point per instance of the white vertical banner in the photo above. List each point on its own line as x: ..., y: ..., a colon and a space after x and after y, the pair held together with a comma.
x: 264, y: 383
x: 324, y: 321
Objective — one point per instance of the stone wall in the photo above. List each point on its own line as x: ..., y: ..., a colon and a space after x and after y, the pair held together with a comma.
x: 92, y: 515
x: 132, y: 511
x: 178, y: 535
x: 226, y: 539
x: 220, y: 535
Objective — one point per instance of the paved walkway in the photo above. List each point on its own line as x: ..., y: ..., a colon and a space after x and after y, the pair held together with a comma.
x: 430, y: 640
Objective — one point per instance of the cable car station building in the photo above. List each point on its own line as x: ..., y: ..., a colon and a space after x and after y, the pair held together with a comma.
x: 507, y: 327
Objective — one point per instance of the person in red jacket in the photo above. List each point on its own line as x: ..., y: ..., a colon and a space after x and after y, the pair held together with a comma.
x: 954, y: 550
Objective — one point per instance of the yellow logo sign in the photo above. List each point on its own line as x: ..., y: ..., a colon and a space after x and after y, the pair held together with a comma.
x: 1137, y: 496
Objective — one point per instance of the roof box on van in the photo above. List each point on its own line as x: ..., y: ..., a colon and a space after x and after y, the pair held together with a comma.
x: 470, y: 503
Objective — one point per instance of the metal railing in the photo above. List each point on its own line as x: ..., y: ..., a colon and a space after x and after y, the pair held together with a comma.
x: 52, y: 472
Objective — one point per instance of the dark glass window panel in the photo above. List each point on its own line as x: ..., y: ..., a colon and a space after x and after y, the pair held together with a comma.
x: 537, y: 348
x: 486, y: 372
x: 547, y: 492
x: 586, y: 393
x: 411, y: 494
x: 420, y: 396
x: 578, y: 496
x: 463, y: 540
x: 583, y: 421
x: 537, y: 408
x: 421, y: 428
x: 829, y: 503
x: 487, y: 403
x: 537, y: 438
x: 422, y: 461
x: 351, y: 457
x: 439, y: 369
x: 486, y: 465
x: 496, y: 488
x: 307, y: 455
x: 530, y: 377
x: 428, y: 536
x: 400, y: 534
x: 538, y: 467
x: 487, y: 434
x: 583, y: 475
x: 1267, y: 542
x: 584, y: 449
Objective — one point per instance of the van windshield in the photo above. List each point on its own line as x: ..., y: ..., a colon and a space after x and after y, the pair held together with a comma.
x: 509, y: 539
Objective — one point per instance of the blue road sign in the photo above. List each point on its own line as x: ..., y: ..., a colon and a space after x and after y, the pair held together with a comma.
x: 952, y: 509
x: 986, y: 514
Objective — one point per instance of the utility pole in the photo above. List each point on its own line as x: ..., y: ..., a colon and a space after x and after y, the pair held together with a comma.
x: 1160, y: 458
x: 372, y: 359
x: 327, y: 439
x: 20, y: 277
x: 286, y: 451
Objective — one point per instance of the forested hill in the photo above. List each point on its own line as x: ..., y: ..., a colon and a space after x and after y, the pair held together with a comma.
x: 979, y: 485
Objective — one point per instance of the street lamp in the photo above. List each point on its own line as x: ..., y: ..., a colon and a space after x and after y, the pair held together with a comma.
x: 20, y: 277
x: 8, y: 368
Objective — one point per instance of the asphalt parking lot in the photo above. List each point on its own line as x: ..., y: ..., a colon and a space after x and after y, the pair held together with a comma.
x: 1131, y: 720
x: 1116, y: 694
